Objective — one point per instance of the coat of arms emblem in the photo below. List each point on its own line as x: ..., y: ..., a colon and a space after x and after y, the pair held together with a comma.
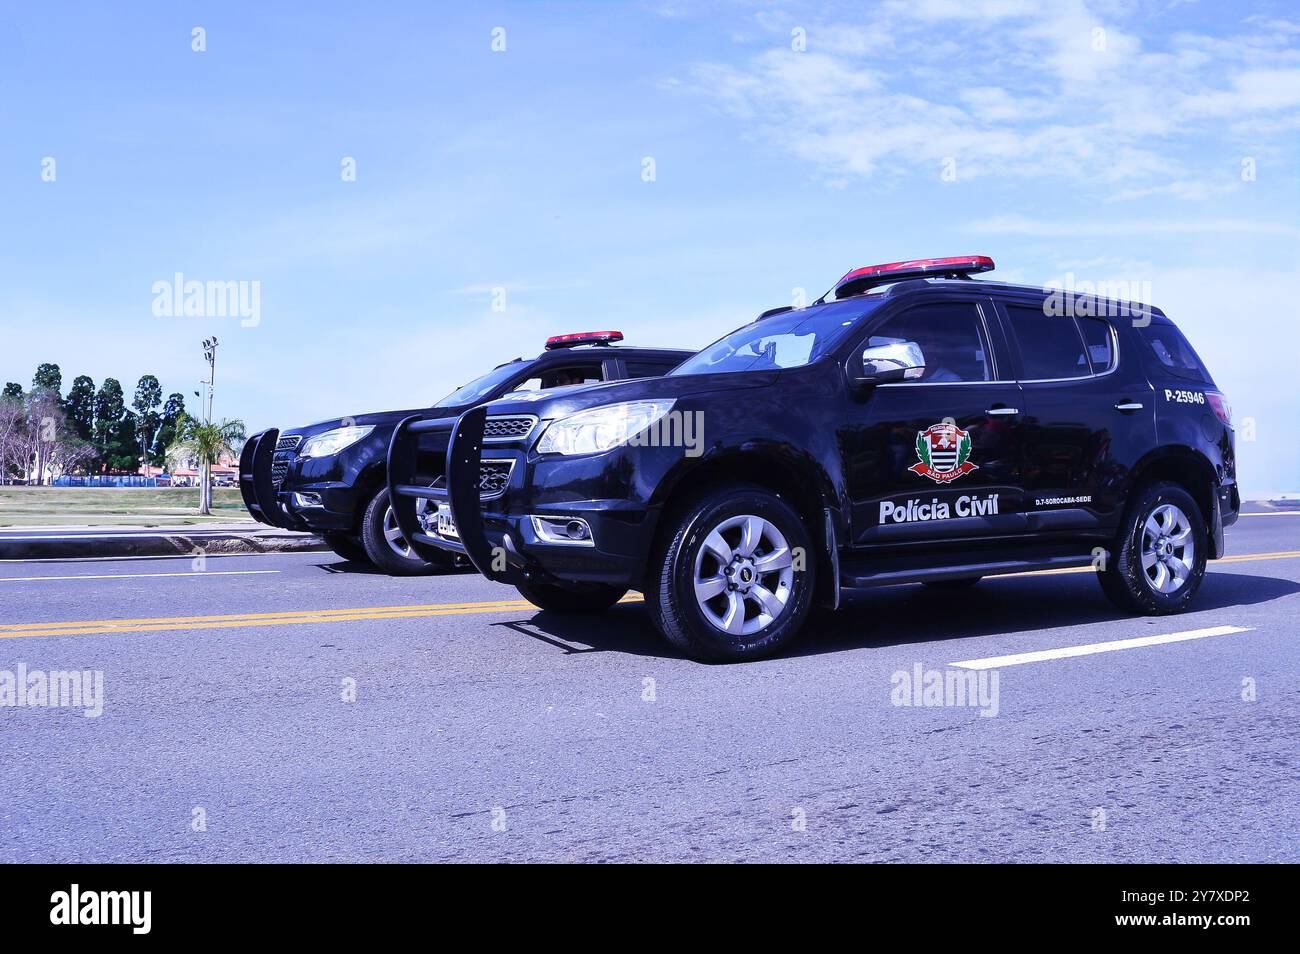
x: 944, y: 452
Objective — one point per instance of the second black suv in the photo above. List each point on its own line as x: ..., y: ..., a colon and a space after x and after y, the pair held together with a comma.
x: 914, y: 425
x: 330, y: 476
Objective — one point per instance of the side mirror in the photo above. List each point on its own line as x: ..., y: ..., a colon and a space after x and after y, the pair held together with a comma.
x: 898, y: 361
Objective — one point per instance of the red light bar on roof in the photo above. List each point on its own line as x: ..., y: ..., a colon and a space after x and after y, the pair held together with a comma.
x: 863, y: 278
x: 582, y: 338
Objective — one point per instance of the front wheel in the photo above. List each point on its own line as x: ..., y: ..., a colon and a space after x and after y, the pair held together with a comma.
x: 384, y: 543
x: 1160, y: 561
x: 734, y: 580
x: 559, y: 599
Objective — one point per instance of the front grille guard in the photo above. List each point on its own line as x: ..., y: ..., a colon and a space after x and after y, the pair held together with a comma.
x: 255, y: 484
x: 459, y: 491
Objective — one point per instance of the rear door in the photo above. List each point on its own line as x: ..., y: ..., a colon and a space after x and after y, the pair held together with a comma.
x: 1089, y: 413
x: 938, y: 458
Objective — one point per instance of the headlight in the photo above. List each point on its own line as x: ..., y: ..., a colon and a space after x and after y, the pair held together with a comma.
x: 590, y: 432
x: 331, y: 442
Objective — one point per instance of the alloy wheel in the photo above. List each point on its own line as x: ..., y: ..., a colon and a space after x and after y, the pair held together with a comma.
x: 744, y: 575
x: 1168, y: 549
x: 393, y: 533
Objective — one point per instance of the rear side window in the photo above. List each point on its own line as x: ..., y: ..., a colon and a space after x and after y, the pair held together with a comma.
x: 1173, y: 353
x: 641, y: 368
x: 1050, y: 345
x: 1101, y: 348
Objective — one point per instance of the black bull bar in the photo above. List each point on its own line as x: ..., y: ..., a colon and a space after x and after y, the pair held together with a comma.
x: 255, y: 484
x: 459, y: 490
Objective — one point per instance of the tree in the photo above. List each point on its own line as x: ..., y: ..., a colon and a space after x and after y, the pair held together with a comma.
x: 123, y: 450
x: 171, y: 413
x: 43, y: 427
x: 48, y: 378
x: 148, y: 395
x: 13, y: 390
x: 12, y: 426
x: 80, y: 407
x: 205, y: 444
x: 109, y: 410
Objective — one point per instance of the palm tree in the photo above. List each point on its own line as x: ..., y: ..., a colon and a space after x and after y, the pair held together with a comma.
x: 205, y: 443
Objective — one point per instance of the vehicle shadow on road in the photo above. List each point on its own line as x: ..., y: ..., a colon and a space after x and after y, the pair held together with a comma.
x: 905, y: 615
x: 369, y: 569
x: 624, y: 628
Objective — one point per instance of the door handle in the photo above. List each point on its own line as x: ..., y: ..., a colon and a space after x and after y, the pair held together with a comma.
x: 1002, y: 411
x: 1128, y: 406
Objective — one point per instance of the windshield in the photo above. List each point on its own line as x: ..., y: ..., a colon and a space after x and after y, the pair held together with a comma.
x: 479, y: 388
x: 788, y: 340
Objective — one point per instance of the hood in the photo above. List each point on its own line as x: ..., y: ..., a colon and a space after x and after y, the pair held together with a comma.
x: 560, y: 402
x: 379, y: 419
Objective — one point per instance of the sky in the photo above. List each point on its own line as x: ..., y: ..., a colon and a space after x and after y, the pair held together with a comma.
x: 419, y: 191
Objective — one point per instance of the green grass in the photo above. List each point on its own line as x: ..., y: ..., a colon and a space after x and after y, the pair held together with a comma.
x: 115, y: 506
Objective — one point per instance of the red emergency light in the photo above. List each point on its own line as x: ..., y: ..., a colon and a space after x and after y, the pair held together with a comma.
x: 860, y: 279
x: 582, y: 338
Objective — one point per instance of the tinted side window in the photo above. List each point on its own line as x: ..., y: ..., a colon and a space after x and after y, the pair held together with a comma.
x: 951, y: 336
x: 1101, y: 349
x: 1050, y: 346
x: 649, y: 368
x: 1173, y: 352
x: 562, y: 376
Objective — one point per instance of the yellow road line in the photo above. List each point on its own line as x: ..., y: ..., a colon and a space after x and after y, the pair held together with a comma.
x: 287, y: 614
x: 235, y: 621
x: 101, y: 627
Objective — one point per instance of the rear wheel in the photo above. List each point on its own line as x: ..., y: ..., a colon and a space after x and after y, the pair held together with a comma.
x: 385, y: 546
x: 734, y: 580
x: 346, y: 546
x: 1160, y: 560
x: 559, y: 599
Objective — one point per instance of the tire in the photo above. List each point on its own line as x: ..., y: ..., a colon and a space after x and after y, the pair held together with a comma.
x: 346, y: 546
x: 559, y: 599
x: 385, y: 546
x: 965, y: 583
x: 706, y: 538
x: 1143, y: 574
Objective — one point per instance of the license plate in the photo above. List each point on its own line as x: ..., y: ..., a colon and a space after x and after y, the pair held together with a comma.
x: 446, y: 523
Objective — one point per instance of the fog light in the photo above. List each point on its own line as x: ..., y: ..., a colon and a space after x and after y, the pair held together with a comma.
x: 306, y: 500
x: 570, y: 530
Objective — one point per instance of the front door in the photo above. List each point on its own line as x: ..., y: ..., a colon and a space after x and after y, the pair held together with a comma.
x: 938, y: 457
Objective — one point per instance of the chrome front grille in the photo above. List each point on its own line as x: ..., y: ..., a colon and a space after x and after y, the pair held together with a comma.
x: 288, y: 443
x: 508, y: 427
x: 494, y: 477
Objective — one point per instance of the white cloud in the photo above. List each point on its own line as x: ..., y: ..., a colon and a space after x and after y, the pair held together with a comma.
x: 1093, y: 104
x: 1022, y: 225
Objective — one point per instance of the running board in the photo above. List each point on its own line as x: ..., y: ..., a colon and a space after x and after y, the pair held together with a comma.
x: 860, y: 572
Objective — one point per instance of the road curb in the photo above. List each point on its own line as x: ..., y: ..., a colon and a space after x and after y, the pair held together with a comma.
x: 185, y: 542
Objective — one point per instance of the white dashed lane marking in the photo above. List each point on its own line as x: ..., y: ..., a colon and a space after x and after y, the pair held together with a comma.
x: 1068, y: 652
x: 130, y: 576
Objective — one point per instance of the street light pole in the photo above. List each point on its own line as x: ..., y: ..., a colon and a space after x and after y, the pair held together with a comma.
x: 205, y: 481
x: 210, y: 354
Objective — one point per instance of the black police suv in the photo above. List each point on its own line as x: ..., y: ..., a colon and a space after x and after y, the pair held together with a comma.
x: 913, y: 425
x: 330, y: 476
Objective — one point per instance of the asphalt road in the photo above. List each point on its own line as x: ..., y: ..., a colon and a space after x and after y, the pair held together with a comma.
x: 483, y: 730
